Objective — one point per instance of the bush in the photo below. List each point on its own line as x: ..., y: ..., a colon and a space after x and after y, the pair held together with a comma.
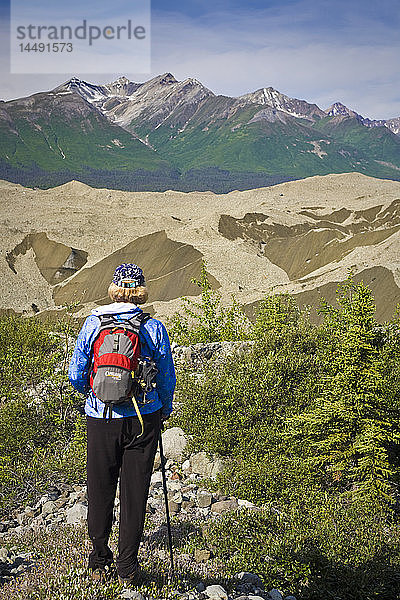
x: 320, y: 548
x: 308, y: 422
x: 41, y: 433
x: 239, y: 411
x: 25, y: 348
x: 206, y: 320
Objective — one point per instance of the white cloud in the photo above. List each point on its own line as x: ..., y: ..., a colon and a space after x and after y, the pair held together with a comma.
x: 318, y: 50
x: 287, y: 50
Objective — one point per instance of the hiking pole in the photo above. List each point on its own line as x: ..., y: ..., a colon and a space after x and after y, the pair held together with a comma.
x: 164, y: 479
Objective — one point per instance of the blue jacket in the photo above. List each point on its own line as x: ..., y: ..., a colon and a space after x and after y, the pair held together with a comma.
x: 154, y: 344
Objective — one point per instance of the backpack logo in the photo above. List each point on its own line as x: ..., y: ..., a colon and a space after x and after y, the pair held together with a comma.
x: 113, y: 374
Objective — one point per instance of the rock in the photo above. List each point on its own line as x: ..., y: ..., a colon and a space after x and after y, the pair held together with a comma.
x: 156, y: 479
x: 202, y: 556
x: 157, y: 461
x: 49, y: 507
x: 186, y: 466
x: 246, y: 504
x: 21, y: 529
x: 177, y: 497
x: 204, y: 466
x: 131, y: 595
x: 252, y: 597
x: 22, y: 518
x: 290, y: 598
x: 174, y: 485
x: 250, y: 579
x: 3, y: 554
x: 53, y: 493
x: 173, y: 507
x: 216, y: 592
x: 188, y: 504
x: 174, y: 443
x: 200, y: 587
x: 77, y: 514
x: 275, y: 594
x: 204, y: 498
x: 224, y: 506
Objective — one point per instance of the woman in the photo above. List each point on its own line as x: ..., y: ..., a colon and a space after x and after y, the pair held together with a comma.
x: 124, y: 445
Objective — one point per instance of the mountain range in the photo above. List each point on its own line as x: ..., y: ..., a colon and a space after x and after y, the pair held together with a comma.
x: 169, y: 134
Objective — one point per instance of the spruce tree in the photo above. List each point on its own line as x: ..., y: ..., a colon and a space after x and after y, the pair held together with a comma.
x: 348, y: 428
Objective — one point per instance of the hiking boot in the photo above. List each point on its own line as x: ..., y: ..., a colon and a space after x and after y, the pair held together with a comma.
x: 102, y: 574
x: 134, y: 578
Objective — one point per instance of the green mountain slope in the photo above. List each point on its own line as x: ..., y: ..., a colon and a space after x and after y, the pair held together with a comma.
x: 165, y: 134
x: 246, y: 141
x: 63, y: 137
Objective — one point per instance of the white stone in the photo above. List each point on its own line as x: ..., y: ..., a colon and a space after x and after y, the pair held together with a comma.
x: 177, y: 498
x: 174, y: 485
x: 49, y: 507
x: 204, y: 498
x: 3, y: 554
x: 245, y: 503
x: 186, y: 465
x: 216, y: 592
x: 204, y: 466
x: 77, y: 514
x: 174, y: 443
x: 131, y: 595
x: 157, y: 461
x: 156, y: 479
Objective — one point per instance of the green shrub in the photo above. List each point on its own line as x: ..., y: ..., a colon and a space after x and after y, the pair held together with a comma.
x: 321, y: 547
x: 26, y: 348
x: 239, y: 410
x: 351, y: 423
x: 308, y: 422
x: 206, y: 320
x: 40, y: 430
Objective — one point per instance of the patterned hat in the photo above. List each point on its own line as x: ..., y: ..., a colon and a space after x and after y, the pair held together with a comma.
x: 128, y: 275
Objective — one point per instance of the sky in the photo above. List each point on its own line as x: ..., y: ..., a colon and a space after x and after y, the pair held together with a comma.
x: 321, y: 51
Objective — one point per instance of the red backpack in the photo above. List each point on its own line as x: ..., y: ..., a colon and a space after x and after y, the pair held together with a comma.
x: 118, y: 374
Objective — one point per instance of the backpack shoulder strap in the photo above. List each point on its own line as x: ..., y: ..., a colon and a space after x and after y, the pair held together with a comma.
x: 144, y: 317
x: 137, y: 320
x: 133, y: 324
x: 106, y: 320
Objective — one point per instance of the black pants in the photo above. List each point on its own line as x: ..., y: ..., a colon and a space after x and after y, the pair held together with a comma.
x: 114, y: 449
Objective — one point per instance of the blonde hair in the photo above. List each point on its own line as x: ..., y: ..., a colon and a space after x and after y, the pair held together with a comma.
x: 137, y: 295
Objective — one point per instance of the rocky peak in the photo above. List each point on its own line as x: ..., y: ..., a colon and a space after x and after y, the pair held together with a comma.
x: 164, y: 79
x: 121, y: 81
x: 88, y: 91
x: 340, y: 110
x: 269, y: 96
x: 122, y: 87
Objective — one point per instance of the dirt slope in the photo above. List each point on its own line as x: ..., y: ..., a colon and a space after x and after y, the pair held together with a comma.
x: 298, y: 236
